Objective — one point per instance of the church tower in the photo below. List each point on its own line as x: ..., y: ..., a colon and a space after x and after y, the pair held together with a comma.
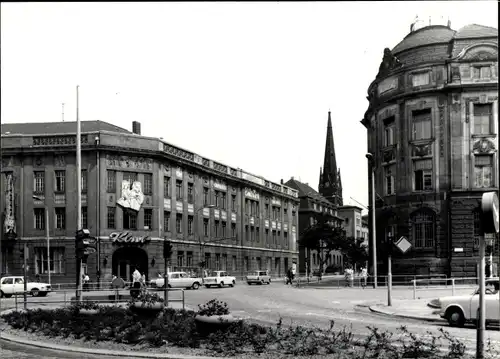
x: 330, y: 184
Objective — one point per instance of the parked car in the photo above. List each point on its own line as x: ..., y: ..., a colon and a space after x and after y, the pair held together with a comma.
x: 177, y: 280
x: 15, y: 285
x: 460, y: 309
x: 258, y: 277
x: 219, y: 278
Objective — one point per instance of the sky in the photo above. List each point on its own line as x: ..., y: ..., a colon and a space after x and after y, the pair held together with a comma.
x: 248, y: 84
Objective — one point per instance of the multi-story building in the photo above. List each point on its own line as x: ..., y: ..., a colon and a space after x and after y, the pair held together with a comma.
x: 324, y: 202
x: 365, y: 229
x: 432, y: 125
x: 136, y: 191
x: 352, y: 220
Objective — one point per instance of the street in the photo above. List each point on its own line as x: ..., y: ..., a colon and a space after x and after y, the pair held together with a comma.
x: 265, y: 304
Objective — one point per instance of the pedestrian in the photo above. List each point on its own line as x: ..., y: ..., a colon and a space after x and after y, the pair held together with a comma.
x: 364, y: 277
x: 487, y: 270
x: 136, y: 283
x: 117, y: 284
x: 143, y: 280
x: 289, y: 276
x: 86, y: 282
x: 351, y: 277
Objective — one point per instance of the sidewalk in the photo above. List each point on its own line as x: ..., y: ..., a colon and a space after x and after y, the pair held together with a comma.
x: 412, y: 309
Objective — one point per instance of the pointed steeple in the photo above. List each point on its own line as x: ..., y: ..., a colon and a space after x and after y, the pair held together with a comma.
x: 330, y: 186
x: 320, y: 185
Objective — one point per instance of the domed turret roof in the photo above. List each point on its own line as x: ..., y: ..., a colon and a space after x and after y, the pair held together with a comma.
x: 425, y: 36
x: 474, y: 31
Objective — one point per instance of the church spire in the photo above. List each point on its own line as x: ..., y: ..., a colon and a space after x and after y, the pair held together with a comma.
x: 330, y: 186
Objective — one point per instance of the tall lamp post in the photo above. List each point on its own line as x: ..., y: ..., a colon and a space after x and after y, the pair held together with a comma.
x: 371, y: 179
x: 389, y: 268
x: 208, y: 206
x: 46, y: 232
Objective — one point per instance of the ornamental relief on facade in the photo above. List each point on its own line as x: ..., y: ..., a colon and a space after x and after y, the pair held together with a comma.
x: 389, y: 155
x: 422, y: 150
x: 7, y: 161
x: 481, y: 53
x: 10, y: 218
x: 129, y: 162
x: 483, y: 145
x: 59, y: 161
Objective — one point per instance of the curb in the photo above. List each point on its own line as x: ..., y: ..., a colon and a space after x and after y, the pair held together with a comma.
x: 66, y: 348
x: 374, y: 309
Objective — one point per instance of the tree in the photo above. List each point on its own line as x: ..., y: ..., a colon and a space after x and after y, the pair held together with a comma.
x: 324, y: 238
x: 355, y: 251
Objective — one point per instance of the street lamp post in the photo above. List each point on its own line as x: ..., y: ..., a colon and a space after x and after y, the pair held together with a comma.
x: 199, y: 236
x: 371, y: 179
x: 389, y: 269
x: 47, y: 234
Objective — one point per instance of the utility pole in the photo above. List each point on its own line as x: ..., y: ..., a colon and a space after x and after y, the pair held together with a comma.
x: 25, y: 263
x: 481, y: 324
x: 78, y: 194
x: 389, y: 269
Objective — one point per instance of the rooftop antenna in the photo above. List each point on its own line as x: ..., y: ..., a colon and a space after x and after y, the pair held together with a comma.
x: 63, y: 112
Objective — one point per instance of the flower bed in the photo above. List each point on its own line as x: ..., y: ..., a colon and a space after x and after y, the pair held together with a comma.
x: 176, y: 330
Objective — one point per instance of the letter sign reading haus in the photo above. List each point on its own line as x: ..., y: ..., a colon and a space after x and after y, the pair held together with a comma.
x: 128, y: 238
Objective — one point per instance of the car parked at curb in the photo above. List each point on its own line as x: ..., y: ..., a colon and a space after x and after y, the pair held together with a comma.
x: 219, y: 278
x: 461, y: 309
x: 258, y: 277
x: 177, y: 280
x: 15, y: 285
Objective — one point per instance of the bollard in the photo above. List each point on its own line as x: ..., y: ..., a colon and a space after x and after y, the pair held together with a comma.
x: 414, y: 289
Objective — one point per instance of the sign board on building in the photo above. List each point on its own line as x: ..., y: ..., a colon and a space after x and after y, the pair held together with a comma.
x: 489, y: 205
x: 403, y: 244
x: 127, y: 237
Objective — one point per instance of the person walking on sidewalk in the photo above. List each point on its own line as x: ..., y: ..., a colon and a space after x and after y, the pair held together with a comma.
x: 364, y: 277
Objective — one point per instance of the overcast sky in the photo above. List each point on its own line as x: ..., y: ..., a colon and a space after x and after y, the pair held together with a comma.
x: 246, y: 84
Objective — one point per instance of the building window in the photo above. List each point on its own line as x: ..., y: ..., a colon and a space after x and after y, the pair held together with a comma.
x: 180, y: 258
x: 233, y: 230
x: 223, y: 200
x: 247, y: 234
x: 257, y: 234
x: 84, y: 182
x: 217, y: 261
x: 131, y: 177
x: 481, y: 72
x: 111, y: 217
x: 129, y: 220
x: 258, y: 262
x: 223, y: 229
x: 390, y: 172
x: 178, y: 189
x: 39, y: 215
x: 111, y: 188
x: 233, y: 203
x: 205, y: 196
x: 420, y: 79
x: 84, y: 218
x: 233, y: 263
x: 224, y: 262
x: 483, y: 119
x: 285, y: 238
x: 423, y: 229
x: 267, y: 236
x: 252, y: 234
x: 56, y: 260
x: 189, y: 259
x: 61, y: 218
x: 166, y: 221
x: 205, y: 227
x: 148, y: 218
x: 274, y: 237
x: 39, y: 182
x: 216, y: 197
x: 166, y: 187
x: 60, y: 181
x: 216, y: 228
x: 483, y: 170
x: 422, y: 124
x: 178, y: 223
x: 148, y: 184
x: 208, y: 261
x: 190, y: 225
x: 389, y: 131
x: 477, y: 228
x: 190, y: 193
x: 422, y: 170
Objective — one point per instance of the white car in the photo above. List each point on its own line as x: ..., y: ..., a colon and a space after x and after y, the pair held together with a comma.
x: 15, y: 285
x: 460, y: 309
x: 177, y: 280
x: 258, y: 277
x: 219, y: 278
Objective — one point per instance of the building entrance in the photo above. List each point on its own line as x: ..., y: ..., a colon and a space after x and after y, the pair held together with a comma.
x: 127, y: 259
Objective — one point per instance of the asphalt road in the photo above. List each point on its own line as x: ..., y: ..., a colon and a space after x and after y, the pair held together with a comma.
x: 302, y: 306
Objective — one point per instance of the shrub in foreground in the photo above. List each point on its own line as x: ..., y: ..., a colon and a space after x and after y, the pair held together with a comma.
x: 178, y: 328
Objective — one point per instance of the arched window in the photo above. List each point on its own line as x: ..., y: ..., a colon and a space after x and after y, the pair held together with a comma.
x: 423, y: 225
x: 477, y: 227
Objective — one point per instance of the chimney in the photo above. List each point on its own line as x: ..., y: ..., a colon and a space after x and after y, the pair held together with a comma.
x: 281, y: 181
x: 136, y: 127
x: 292, y: 178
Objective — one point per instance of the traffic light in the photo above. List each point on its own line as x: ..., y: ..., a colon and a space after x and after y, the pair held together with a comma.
x: 84, y: 244
x: 167, y: 249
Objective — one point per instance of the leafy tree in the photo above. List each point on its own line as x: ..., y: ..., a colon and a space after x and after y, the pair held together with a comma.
x: 355, y: 251
x: 324, y: 238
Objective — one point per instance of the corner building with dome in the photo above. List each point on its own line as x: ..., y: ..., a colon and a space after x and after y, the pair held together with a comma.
x: 432, y: 128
